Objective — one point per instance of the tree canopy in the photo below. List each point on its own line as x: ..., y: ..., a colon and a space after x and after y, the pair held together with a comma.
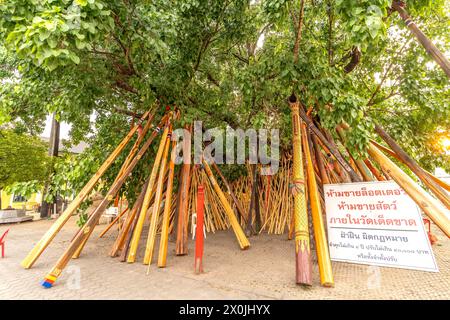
x: 226, y: 62
x: 23, y: 159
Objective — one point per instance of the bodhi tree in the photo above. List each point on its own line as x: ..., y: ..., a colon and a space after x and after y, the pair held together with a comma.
x: 227, y: 63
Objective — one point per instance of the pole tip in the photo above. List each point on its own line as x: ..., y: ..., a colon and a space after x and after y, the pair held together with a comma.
x: 292, y: 98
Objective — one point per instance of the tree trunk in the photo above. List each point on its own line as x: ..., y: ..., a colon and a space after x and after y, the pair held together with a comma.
x: 53, y: 151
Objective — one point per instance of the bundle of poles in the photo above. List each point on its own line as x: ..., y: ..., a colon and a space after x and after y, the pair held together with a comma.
x: 289, y: 201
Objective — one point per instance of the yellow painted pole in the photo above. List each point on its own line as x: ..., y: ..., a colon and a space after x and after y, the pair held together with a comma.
x: 141, y: 218
x: 162, y: 254
x: 156, y: 205
x: 242, y: 239
x: 46, y: 239
x: 323, y: 256
x: 124, y: 166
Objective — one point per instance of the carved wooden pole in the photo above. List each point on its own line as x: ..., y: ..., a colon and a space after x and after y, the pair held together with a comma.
x: 302, y: 245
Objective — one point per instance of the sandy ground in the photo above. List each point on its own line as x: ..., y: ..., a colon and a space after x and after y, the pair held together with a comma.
x: 265, y: 271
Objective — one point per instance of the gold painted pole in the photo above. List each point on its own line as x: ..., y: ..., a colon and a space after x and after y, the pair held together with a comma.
x: 47, y: 238
x: 302, y: 246
x: 323, y: 256
x: 140, y: 223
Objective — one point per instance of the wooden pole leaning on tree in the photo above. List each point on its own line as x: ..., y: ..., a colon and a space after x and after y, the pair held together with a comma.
x: 431, y: 49
x: 240, y: 235
x: 113, y: 223
x: 143, y: 212
x: 118, y: 244
x: 43, y: 243
x: 183, y: 199
x: 438, y: 191
x: 151, y: 238
x: 238, y: 205
x: 438, y: 181
x: 431, y: 206
x: 323, y: 256
x: 302, y: 245
x: 354, y: 176
x: 365, y: 172
x: 162, y: 253
x: 129, y: 158
x: 51, y: 277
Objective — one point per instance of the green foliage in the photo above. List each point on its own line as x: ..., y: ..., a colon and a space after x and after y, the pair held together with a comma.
x: 89, y: 59
x: 23, y: 159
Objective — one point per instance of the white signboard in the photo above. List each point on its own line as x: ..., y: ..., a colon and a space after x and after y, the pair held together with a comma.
x: 376, y: 223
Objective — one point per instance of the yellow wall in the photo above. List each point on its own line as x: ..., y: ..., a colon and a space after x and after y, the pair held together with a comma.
x: 6, y: 201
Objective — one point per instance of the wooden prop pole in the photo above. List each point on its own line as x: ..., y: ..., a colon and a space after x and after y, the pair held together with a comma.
x: 199, y: 237
x: 242, y: 239
x: 302, y: 245
x: 365, y: 172
x: 162, y: 254
x: 125, y: 164
x: 143, y: 212
x: 113, y: 223
x: 156, y: 204
x: 377, y: 174
x: 431, y: 49
x: 333, y: 150
x: 438, y: 181
x: 51, y: 277
x: 438, y: 191
x: 238, y: 205
x: 43, y: 243
x: 183, y: 201
x: 432, y: 207
x: 118, y: 244
x: 323, y: 256
x: 319, y: 159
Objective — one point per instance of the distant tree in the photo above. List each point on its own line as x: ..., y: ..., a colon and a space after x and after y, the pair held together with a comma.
x: 23, y: 160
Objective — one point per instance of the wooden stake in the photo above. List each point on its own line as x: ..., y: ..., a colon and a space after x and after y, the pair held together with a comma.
x: 43, y: 243
x: 124, y: 166
x: 199, y: 237
x: 118, y: 244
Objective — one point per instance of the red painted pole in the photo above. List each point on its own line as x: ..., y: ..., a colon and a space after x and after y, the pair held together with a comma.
x: 198, y: 267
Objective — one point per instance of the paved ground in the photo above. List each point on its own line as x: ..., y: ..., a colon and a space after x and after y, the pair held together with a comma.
x: 265, y: 271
